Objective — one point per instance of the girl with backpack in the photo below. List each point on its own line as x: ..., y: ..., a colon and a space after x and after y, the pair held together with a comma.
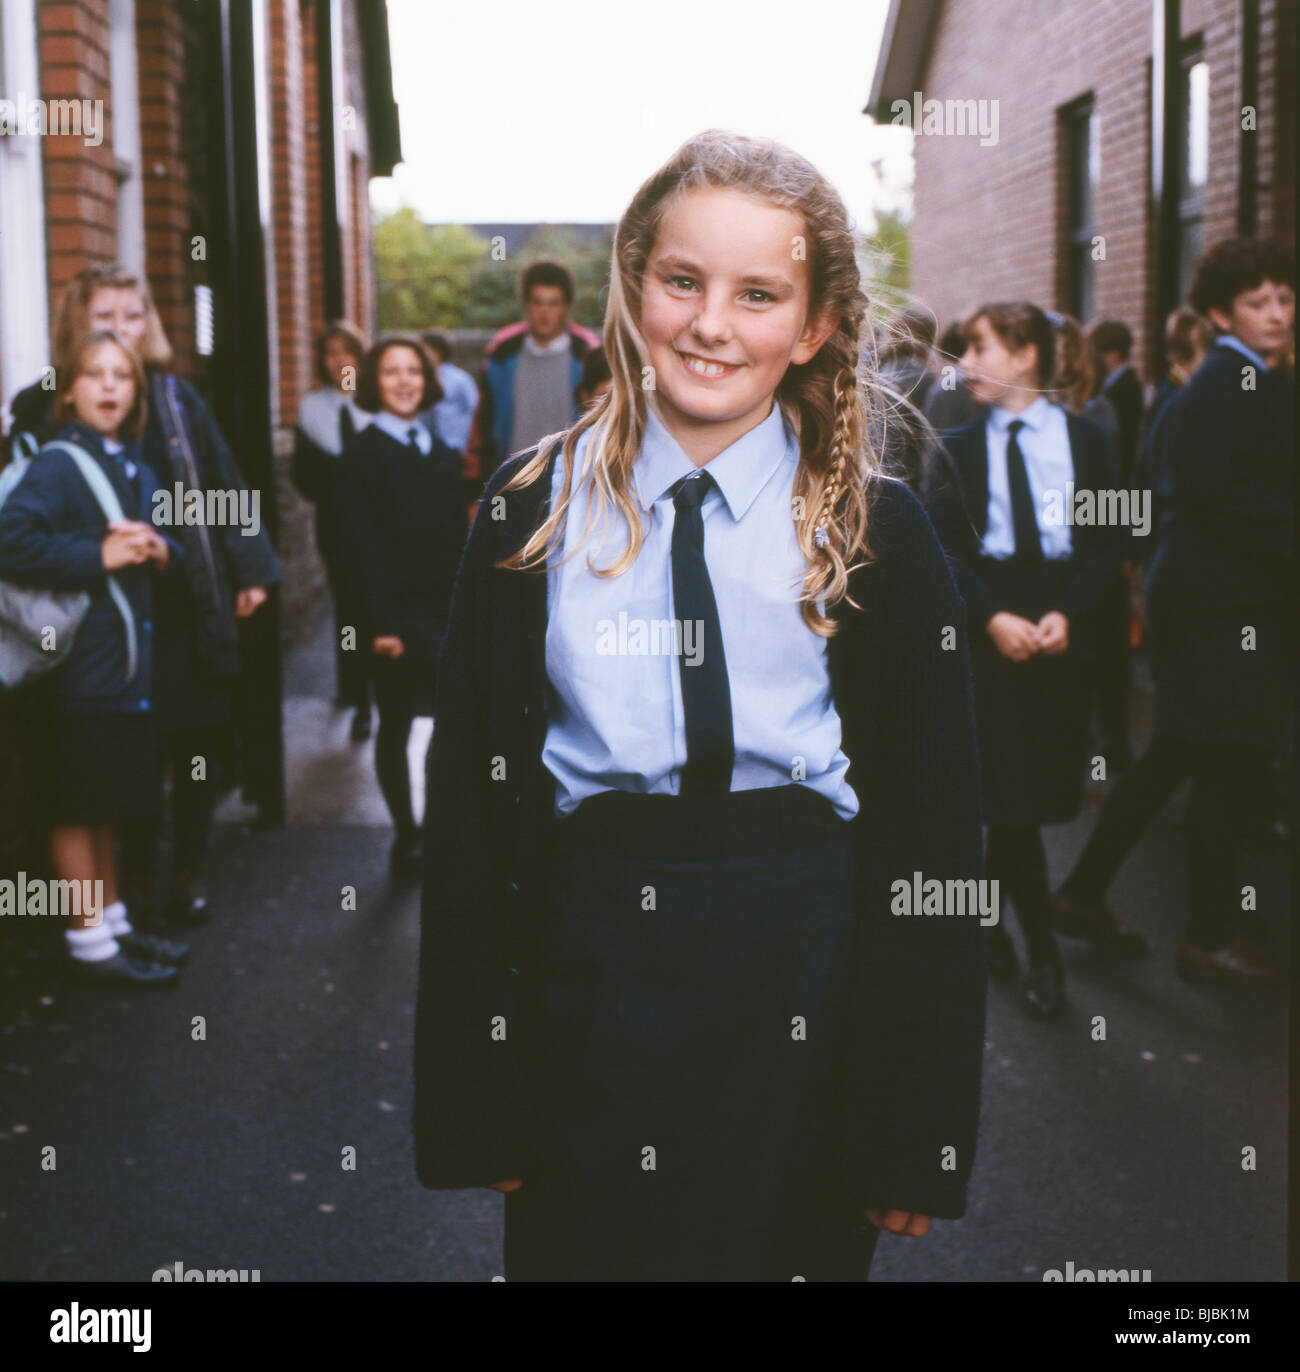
x: 54, y: 534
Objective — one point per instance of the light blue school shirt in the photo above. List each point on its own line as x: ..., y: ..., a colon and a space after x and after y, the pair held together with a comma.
x: 1232, y: 341
x: 401, y: 430
x: 616, y: 719
x: 1045, y: 445
x: 453, y: 416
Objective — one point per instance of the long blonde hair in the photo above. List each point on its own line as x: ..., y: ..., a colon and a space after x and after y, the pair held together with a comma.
x: 72, y: 314
x: 829, y: 401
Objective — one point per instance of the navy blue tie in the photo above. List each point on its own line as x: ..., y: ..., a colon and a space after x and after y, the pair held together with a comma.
x: 706, y: 693
x: 1028, y: 543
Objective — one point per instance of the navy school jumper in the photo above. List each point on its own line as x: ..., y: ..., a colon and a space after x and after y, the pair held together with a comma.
x: 900, y: 676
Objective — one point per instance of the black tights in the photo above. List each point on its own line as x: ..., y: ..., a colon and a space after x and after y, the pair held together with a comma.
x: 193, y: 803
x: 1222, y: 776
x: 1016, y: 860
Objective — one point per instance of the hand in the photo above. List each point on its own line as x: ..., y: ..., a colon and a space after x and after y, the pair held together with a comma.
x: 900, y: 1222
x: 512, y: 1185
x: 249, y: 600
x: 1053, y: 634
x: 1014, y: 637
x: 388, y: 645
x: 127, y: 544
x: 160, y: 552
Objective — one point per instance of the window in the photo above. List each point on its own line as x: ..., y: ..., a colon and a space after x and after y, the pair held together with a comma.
x: 1083, y: 168
x: 126, y: 135
x: 1193, y: 159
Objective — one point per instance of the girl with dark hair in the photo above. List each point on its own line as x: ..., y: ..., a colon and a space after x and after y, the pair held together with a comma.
x: 402, y: 528
x: 1032, y: 581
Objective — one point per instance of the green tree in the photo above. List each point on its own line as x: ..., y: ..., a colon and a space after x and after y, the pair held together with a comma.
x: 423, y: 272
x: 886, y: 262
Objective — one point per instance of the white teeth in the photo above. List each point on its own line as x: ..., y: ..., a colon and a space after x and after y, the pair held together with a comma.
x: 708, y: 369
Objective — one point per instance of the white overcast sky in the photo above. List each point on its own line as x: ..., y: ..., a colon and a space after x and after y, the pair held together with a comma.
x: 516, y: 110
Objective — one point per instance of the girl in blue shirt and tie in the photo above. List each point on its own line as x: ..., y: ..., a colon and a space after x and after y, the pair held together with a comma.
x: 703, y: 727
x: 1032, y: 578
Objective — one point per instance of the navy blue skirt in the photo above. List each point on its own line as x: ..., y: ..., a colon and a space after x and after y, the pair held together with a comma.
x: 683, y: 1027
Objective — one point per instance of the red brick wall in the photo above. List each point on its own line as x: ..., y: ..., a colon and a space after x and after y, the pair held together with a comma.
x: 289, y: 201
x: 80, y: 188
x: 160, y: 44
x: 998, y: 211
x: 312, y: 155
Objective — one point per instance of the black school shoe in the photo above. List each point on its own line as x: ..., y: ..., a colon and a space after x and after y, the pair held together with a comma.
x: 1042, y: 988
x: 122, y: 970
x: 360, y: 731
x: 144, y: 947
x: 406, y: 859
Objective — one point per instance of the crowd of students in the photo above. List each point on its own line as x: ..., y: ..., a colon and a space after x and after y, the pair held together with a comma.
x: 987, y: 424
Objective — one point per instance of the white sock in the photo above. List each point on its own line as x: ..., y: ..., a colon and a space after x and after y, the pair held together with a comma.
x: 92, y: 945
x: 115, y: 918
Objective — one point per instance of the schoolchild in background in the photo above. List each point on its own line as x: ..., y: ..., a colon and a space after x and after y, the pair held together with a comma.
x: 403, y: 528
x: 103, y: 770
x: 949, y: 403
x: 327, y: 418
x: 452, y: 418
x: 667, y: 1001
x: 224, y: 580
x: 1222, y: 621
x: 1076, y: 385
x: 1032, y: 581
x: 596, y: 379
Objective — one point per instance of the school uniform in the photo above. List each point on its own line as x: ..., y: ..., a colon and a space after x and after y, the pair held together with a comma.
x: 1033, y: 716
x: 103, y: 765
x: 402, y: 527
x: 712, y: 976
x: 327, y: 419
x: 195, y: 657
x: 1220, y: 457
x: 1224, y: 557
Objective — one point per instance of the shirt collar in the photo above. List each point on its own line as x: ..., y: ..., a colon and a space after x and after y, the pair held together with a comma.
x: 556, y: 345
x: 740, y: 471
x: 1034, y: 416
x: 400, y: 429
x: 1232, y: 341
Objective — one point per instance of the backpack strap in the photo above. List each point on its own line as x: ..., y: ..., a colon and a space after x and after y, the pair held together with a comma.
x: 102, y: 489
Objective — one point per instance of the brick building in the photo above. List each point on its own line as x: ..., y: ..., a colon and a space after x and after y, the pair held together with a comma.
x: 224, y: 150
x: 1142, y: 129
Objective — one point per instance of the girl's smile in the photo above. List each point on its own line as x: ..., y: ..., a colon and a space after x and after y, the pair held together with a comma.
x: 706, y: 369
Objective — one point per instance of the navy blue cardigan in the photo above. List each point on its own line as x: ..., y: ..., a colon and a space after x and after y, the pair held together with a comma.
x: 900, y: 674
x: 51, y: 535
x: 960, y: 510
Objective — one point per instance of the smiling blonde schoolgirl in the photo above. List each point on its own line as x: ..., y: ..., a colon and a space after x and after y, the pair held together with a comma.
x: 703, y: 704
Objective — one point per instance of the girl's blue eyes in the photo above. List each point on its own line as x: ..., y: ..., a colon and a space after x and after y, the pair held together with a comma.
x: 673, y: 280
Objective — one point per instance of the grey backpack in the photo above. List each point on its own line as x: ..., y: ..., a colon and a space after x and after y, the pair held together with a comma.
x: 37, y: 626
